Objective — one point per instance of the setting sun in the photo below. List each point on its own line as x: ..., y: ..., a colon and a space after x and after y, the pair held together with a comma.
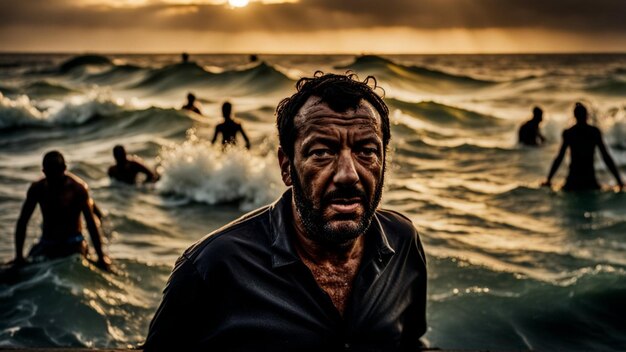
x: 238, y: 3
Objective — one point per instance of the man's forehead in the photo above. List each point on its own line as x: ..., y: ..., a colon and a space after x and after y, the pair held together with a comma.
x: 316, y: 109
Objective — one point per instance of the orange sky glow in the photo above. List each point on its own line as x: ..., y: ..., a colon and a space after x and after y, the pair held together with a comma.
x: 308, y: 26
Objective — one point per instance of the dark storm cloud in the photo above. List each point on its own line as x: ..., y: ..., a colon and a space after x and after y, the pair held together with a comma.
x: 314, y: 15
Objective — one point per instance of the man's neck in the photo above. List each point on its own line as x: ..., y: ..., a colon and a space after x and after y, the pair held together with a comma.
x: 56, y: 181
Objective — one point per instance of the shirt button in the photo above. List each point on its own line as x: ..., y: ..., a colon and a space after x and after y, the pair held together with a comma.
x: 346, y: 345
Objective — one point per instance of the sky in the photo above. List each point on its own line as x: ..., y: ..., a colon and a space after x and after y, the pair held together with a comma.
x: 313, y: 26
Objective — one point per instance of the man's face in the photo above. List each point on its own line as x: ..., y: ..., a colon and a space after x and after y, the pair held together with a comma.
x: 337, y: 170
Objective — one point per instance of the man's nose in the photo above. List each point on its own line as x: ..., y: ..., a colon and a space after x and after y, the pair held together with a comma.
x: 345, y: 174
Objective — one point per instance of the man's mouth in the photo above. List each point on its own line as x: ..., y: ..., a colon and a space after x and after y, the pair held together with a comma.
x: 345, y: 205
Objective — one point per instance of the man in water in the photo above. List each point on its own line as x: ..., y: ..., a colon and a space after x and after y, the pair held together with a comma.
x: 229, y: 128
x: 529, y: 133
x: 191, y: 104
x: 62, y: 198
x: 126, y: 169
x: 320, y: 269
x: 582, y: 139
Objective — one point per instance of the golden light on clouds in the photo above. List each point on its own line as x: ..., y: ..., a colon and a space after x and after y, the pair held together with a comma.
x: 232, y: 3
x: 238, y: 3
x: 140, y: 3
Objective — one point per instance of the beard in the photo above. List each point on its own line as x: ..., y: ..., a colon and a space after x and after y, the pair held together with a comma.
x: 319, y: 228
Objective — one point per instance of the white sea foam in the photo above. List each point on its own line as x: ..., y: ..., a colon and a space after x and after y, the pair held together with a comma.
x: 76, y: 110
x: 204, y: 173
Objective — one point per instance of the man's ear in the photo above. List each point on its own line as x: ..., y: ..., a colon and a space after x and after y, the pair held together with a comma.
x: 285, y: 167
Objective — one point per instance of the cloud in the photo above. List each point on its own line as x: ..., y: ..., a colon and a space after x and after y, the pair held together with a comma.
x: 581, y: 16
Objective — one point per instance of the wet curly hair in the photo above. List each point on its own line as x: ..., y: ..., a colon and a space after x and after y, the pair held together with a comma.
x: 340, y: 92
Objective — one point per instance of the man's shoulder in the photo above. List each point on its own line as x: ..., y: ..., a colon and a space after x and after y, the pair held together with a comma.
x: 77, y: 182
x: 396, y: 224
x: 227, y: 239
x: 37, y: 187
x: 401, y: 233
x: 38, y: 184
x: 595, y: 130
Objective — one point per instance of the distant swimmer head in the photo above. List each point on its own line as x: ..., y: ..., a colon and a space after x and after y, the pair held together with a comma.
x: 119, y: 153
x: 54, y: 164
x: 185, y: 57
x: 191, y: 98
x: 580, y: 112
x: 537, y: 114
x: 227, y: 109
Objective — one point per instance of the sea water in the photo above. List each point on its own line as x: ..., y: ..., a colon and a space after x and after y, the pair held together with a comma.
x: 511, y: 265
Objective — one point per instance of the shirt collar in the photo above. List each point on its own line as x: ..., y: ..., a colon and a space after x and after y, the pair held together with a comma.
x: 283, y: 251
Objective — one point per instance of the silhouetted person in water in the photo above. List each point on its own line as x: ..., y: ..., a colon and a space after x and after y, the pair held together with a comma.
x: 229, y: 128
x: 582, y: 139
x: 529, y: 133
x: 126, y: 169
x: 184, y: 57
x: 62, y: 198
x: 253, y: 58
x: 191, y: 104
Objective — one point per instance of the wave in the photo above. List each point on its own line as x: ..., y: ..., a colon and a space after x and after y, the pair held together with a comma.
x: 412, y: 77
x: 620, y: 70
x: 8, y: 90
x: 118, y: 74
x: 201, y: 172
x: 21, y: 112
x: 437, y: 113
x: 84, y: 60
x: 609, y: 87
x: 69, y: 303
x: 258, y: 79
x: 172, y: 76
x: 44, y: 88
x: 583, y: 313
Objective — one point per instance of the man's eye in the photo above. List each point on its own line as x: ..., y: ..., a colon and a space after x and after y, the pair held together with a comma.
x: 320, y: 153
x: 368, y: 152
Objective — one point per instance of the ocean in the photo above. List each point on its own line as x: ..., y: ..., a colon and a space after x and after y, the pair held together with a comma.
x: 512, y: 265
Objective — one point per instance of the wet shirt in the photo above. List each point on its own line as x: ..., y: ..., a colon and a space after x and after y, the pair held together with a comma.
x: 244, y: 288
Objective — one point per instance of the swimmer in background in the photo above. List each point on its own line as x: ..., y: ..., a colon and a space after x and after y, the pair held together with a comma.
x: 529, y: 133
x: 62, y: 198
x: 229, y: 128
x: 191, y: 104
x: 126, y: 169
x: 582, y: 140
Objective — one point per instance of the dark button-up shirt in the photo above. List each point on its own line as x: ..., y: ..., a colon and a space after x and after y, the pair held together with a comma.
x: 244, y: 287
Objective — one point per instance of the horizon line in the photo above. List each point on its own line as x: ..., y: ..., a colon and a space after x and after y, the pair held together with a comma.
x: 362, y: 53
